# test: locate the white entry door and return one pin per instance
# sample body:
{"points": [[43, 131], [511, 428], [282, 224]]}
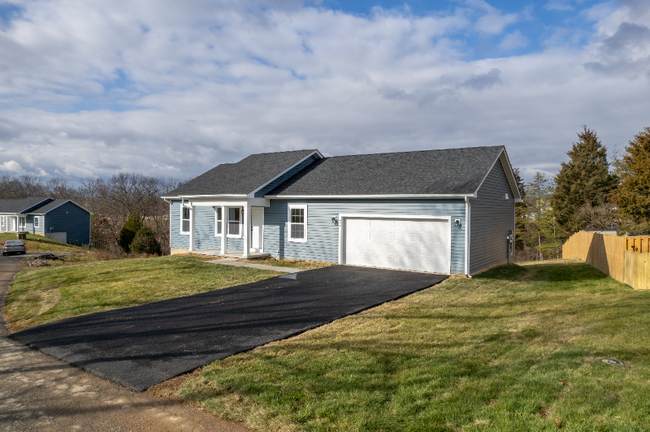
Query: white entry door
{"points": [[257, 229], [403, 244]]}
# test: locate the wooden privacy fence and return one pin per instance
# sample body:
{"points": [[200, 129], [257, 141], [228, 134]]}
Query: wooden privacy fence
{"points": [[611, 255], [638, 244]]}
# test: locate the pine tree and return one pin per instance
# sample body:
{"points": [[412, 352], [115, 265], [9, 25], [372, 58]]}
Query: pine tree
{"points": [[520, 213], [585, 179], [633, 194], [145, 242], [129, 230]]}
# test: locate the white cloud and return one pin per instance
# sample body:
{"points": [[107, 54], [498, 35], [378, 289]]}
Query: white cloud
{"points": [[514, 40], [12, 167], [163, 88]]}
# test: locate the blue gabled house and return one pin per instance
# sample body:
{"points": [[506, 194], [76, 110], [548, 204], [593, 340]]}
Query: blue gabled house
{"points": [[443, 211], [61, 219]]}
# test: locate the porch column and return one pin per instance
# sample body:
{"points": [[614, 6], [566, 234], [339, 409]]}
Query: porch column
{"points": [[191, 248], [247, 230], [224, 228]]}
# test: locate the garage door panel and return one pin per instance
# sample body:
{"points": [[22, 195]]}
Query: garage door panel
{"points": [[405, 244]]}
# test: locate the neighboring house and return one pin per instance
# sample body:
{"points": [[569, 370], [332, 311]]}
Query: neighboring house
{"points": [[443, 211], [60, 219]]}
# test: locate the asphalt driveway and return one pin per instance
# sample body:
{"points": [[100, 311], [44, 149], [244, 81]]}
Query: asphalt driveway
{"points": [[142, 346]]}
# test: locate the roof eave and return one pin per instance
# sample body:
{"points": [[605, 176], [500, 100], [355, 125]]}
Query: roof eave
{"points": [[386, 196]]}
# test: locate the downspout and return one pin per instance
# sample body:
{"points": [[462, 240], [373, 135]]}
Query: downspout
{"points": [[468, 218]]}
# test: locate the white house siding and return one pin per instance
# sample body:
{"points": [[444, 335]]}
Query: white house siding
{"points": [[204, 237], [323, 236], [492, 217]]}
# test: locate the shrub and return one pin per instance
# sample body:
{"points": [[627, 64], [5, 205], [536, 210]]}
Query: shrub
{"points": [[145, 242], [132, 225]]}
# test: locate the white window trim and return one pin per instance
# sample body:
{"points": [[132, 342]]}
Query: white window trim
{"points": [[217, 222], [24, 220], [292, 207], [37, 221], [190, 219], [241, 227]]}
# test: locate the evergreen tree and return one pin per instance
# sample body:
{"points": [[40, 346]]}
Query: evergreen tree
{"points": [[585, 179], [145, 242], [633, 194], [129, 230], [520, 212]]}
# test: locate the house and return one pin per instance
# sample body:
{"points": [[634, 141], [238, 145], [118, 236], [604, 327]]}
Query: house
{"points": [[60, 219], [444, 211]]}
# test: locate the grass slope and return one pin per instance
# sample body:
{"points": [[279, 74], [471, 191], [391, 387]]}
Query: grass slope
{"points": [[36, 243], [42, 295], [517, 348]]}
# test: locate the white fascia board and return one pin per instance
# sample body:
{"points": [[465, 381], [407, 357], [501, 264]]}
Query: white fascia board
{"points": [[397, 196], [253, 202], [38, 203], [510, 176], [316, 153]]}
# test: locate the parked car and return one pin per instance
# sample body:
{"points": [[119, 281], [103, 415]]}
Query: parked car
{"points": [[14, 246]]}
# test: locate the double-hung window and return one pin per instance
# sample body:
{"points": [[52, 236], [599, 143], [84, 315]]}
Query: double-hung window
{"points": [[37, 222], [22, 223], [298, 223], [185, 219], [218, 223], [234, 221]]}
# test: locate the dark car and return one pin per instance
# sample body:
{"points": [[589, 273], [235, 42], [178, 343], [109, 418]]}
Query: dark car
{"points": [[14, 246]]}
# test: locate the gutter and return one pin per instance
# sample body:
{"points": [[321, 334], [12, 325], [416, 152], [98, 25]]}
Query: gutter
{"points": [[468, 218]]}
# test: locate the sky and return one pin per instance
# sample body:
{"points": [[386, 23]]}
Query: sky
{"points": [[167, 88]]}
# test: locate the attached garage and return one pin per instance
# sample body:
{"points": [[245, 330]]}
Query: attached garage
{"points": [[419, 243]]}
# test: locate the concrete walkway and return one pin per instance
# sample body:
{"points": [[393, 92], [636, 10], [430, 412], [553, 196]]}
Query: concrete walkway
{"points": [[236, 263], [38, 392]]}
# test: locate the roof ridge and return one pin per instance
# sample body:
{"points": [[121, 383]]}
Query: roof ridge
{"points": [[416, 151]]}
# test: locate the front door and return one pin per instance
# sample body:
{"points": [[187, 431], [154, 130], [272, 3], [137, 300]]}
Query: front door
{"points": [[257, 229]]}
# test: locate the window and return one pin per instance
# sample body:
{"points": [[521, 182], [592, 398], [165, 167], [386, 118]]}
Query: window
{"points": [[2, 222], [185, 220], [234, 221], [22, 222], [37, 222], [298, 223], [218, 221]]}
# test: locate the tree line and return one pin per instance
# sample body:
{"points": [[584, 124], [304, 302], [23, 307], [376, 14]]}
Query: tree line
{"points": [[588, 193], [122, 206]]}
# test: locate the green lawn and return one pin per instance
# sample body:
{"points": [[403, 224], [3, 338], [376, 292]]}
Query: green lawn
{"points": [[42, 295], [36, 243], [517, 348]]}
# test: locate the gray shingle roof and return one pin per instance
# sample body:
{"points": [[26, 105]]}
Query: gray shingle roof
{"points": [[243, 177], [452, 171], [19, 205], [54, 204]]}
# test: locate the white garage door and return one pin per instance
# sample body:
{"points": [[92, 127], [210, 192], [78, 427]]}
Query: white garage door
{"points": [[405, 244]]}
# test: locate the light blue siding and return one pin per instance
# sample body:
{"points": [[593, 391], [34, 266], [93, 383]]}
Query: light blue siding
{"points": [[286, 176], [71, 219], [204, 230], [492, 217], [323, 235], [30, 225], [178, 240]]}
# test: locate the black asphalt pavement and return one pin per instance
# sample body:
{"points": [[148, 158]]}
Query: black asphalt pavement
{"points": [[142, 346]]}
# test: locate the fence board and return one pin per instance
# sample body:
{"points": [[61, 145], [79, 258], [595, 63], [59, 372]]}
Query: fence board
{"points": [[613, 256]]}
